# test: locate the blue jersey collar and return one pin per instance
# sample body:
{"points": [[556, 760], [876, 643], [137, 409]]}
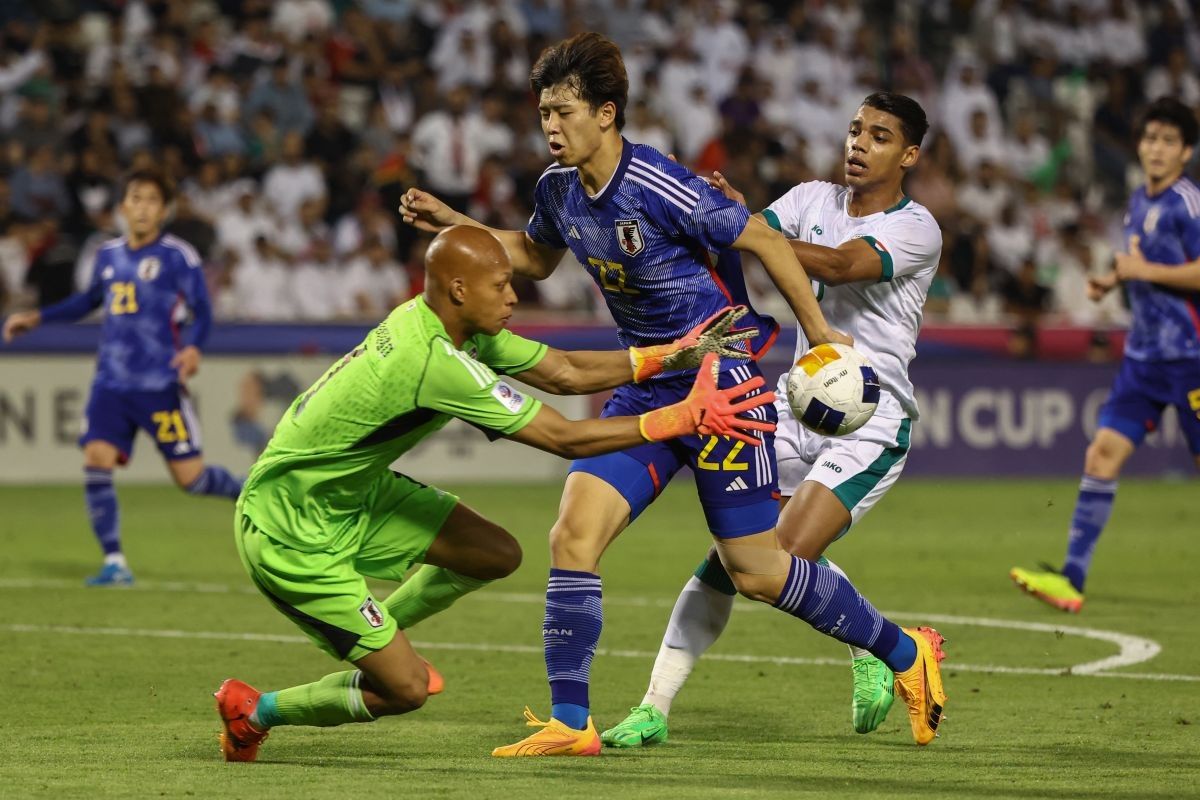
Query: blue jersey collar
{"points": [[618, 175]]}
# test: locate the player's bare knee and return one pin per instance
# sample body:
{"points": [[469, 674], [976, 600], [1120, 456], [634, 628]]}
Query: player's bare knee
{"points": [[1102, 460], [503, 556], [760, 588], [406, 693], [572, 548]]}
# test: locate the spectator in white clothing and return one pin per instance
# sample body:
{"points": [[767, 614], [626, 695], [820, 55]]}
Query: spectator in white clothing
{"points": [[294, 180], [315, 283], [374, 283], [446, 149]]}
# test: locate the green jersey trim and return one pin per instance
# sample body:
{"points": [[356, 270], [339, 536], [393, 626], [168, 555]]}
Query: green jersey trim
{"points": [[903, 202], [885, 258], [854, 490], [772, 219]]}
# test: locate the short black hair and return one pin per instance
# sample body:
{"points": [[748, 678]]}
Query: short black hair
{"points": [[913, 123], [151, 175], [1170, 111], [591, 65]]}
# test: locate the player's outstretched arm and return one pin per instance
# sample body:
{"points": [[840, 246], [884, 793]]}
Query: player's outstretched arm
{"points": [[789, 277], [75, 307], [588, 371], [1133, 266], [850, 262], [529, 259], [706, 410], [713, 335]]}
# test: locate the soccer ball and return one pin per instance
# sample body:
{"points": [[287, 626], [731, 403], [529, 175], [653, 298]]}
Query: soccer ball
{"points": [[833, 390]]}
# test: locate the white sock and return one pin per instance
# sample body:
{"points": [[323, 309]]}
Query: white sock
{"points": [[855, 652], [699, 617], [116, 558]]}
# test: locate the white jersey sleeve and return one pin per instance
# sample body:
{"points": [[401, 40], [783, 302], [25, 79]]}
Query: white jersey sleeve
{"points": [[907, 244], [790, 214]]}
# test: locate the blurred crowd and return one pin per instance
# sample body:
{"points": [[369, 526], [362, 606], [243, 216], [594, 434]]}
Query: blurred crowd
{"points": [[292, 127]]}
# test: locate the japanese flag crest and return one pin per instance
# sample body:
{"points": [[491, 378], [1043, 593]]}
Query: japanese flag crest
{"points": [[148, 268], [629, 236]]}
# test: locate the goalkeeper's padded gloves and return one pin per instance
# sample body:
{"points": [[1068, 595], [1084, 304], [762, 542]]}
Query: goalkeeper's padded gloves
{"points": [[711, 336], [708, 410]]}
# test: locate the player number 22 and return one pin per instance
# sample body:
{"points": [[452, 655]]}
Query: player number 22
{"points": [[170, 426], [124, 298], [612, 276], [728, 464]]}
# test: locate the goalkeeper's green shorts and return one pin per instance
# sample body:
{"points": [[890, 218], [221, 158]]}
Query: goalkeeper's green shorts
{"points": [[325, 593]]}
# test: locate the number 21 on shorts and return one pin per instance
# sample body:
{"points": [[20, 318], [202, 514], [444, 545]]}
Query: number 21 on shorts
{"points": [[170, 426]]}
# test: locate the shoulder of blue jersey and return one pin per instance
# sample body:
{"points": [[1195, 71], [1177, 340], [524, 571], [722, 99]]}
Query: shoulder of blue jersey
{"points": [[1190, 194], [190, 257], [112, 244], [660, 176], [554, 171]]}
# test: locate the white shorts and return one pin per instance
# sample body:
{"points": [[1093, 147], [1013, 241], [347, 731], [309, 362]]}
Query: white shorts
{"points": [[859, 468]]}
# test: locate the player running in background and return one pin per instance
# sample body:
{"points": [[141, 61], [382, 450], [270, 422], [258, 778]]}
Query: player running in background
{"points": [[322, 509], [643, 227], [148, 283], [1161, 366], [872, 252]]}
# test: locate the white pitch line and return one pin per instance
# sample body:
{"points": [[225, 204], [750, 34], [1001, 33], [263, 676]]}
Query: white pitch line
{"points": [[1132, 650]]}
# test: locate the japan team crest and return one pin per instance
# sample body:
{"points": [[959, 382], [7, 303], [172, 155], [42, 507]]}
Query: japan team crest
{"points": [[629, 236], [148, 268], [371, 613], [1151, 221]]}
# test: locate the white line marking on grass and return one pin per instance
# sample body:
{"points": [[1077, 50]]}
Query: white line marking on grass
{"points": [[532, 650], [1132, 650]]}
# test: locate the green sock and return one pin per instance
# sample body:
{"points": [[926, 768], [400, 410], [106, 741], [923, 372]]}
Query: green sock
{"points": [[333, 700], [430, 590]]}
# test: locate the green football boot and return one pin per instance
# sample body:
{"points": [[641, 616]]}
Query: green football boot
{"points": [[1049, 586], [874, 692], [644, 725]]}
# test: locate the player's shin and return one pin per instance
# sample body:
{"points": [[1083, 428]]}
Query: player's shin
{"points": [[855, 652], [216, 482], [697, 621], [431, 589], [827, 601], [570, 632], [101, 500], [1092, 510], [334, 700]]}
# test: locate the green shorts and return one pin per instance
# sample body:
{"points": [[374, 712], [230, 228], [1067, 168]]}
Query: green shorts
{"points": [[325, 593]]}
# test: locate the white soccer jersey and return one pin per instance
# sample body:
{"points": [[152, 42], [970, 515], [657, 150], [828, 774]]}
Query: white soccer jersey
{"points": [[883, 317]]}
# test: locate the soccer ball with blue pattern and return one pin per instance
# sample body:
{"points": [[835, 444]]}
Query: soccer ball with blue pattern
{"points": [[833, 390]]}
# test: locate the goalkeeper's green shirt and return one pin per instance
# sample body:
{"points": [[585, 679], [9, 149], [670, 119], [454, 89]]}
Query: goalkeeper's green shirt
{"points": [[403, 383]]}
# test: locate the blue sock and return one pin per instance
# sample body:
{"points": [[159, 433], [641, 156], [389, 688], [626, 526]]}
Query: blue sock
{"points": [[570, 632], [266, 713], [831, 604], [101, 500], [1092, 510], [217, 482]]}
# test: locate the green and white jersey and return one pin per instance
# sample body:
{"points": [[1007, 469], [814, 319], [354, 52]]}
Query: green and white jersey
{"points": [[884, 317], [404, 382]]}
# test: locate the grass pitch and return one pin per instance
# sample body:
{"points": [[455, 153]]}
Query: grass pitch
{"points": [[109, 691]]}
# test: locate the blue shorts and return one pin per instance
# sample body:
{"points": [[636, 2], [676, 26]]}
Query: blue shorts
{"points": [[1144, 388], [168, 416], [738, 484]]}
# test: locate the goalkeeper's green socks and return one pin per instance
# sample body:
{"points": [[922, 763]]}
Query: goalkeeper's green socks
{"points": [[333, 700], [430, 590]]}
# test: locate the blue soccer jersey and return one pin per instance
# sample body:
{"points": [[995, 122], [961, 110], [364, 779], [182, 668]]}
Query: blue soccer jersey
{"points": [[647, 241], [1166, 322], [147, 295]]}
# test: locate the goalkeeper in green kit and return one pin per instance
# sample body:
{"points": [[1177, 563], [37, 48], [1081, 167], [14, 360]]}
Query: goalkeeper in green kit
{"points": [[322, 510]]}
